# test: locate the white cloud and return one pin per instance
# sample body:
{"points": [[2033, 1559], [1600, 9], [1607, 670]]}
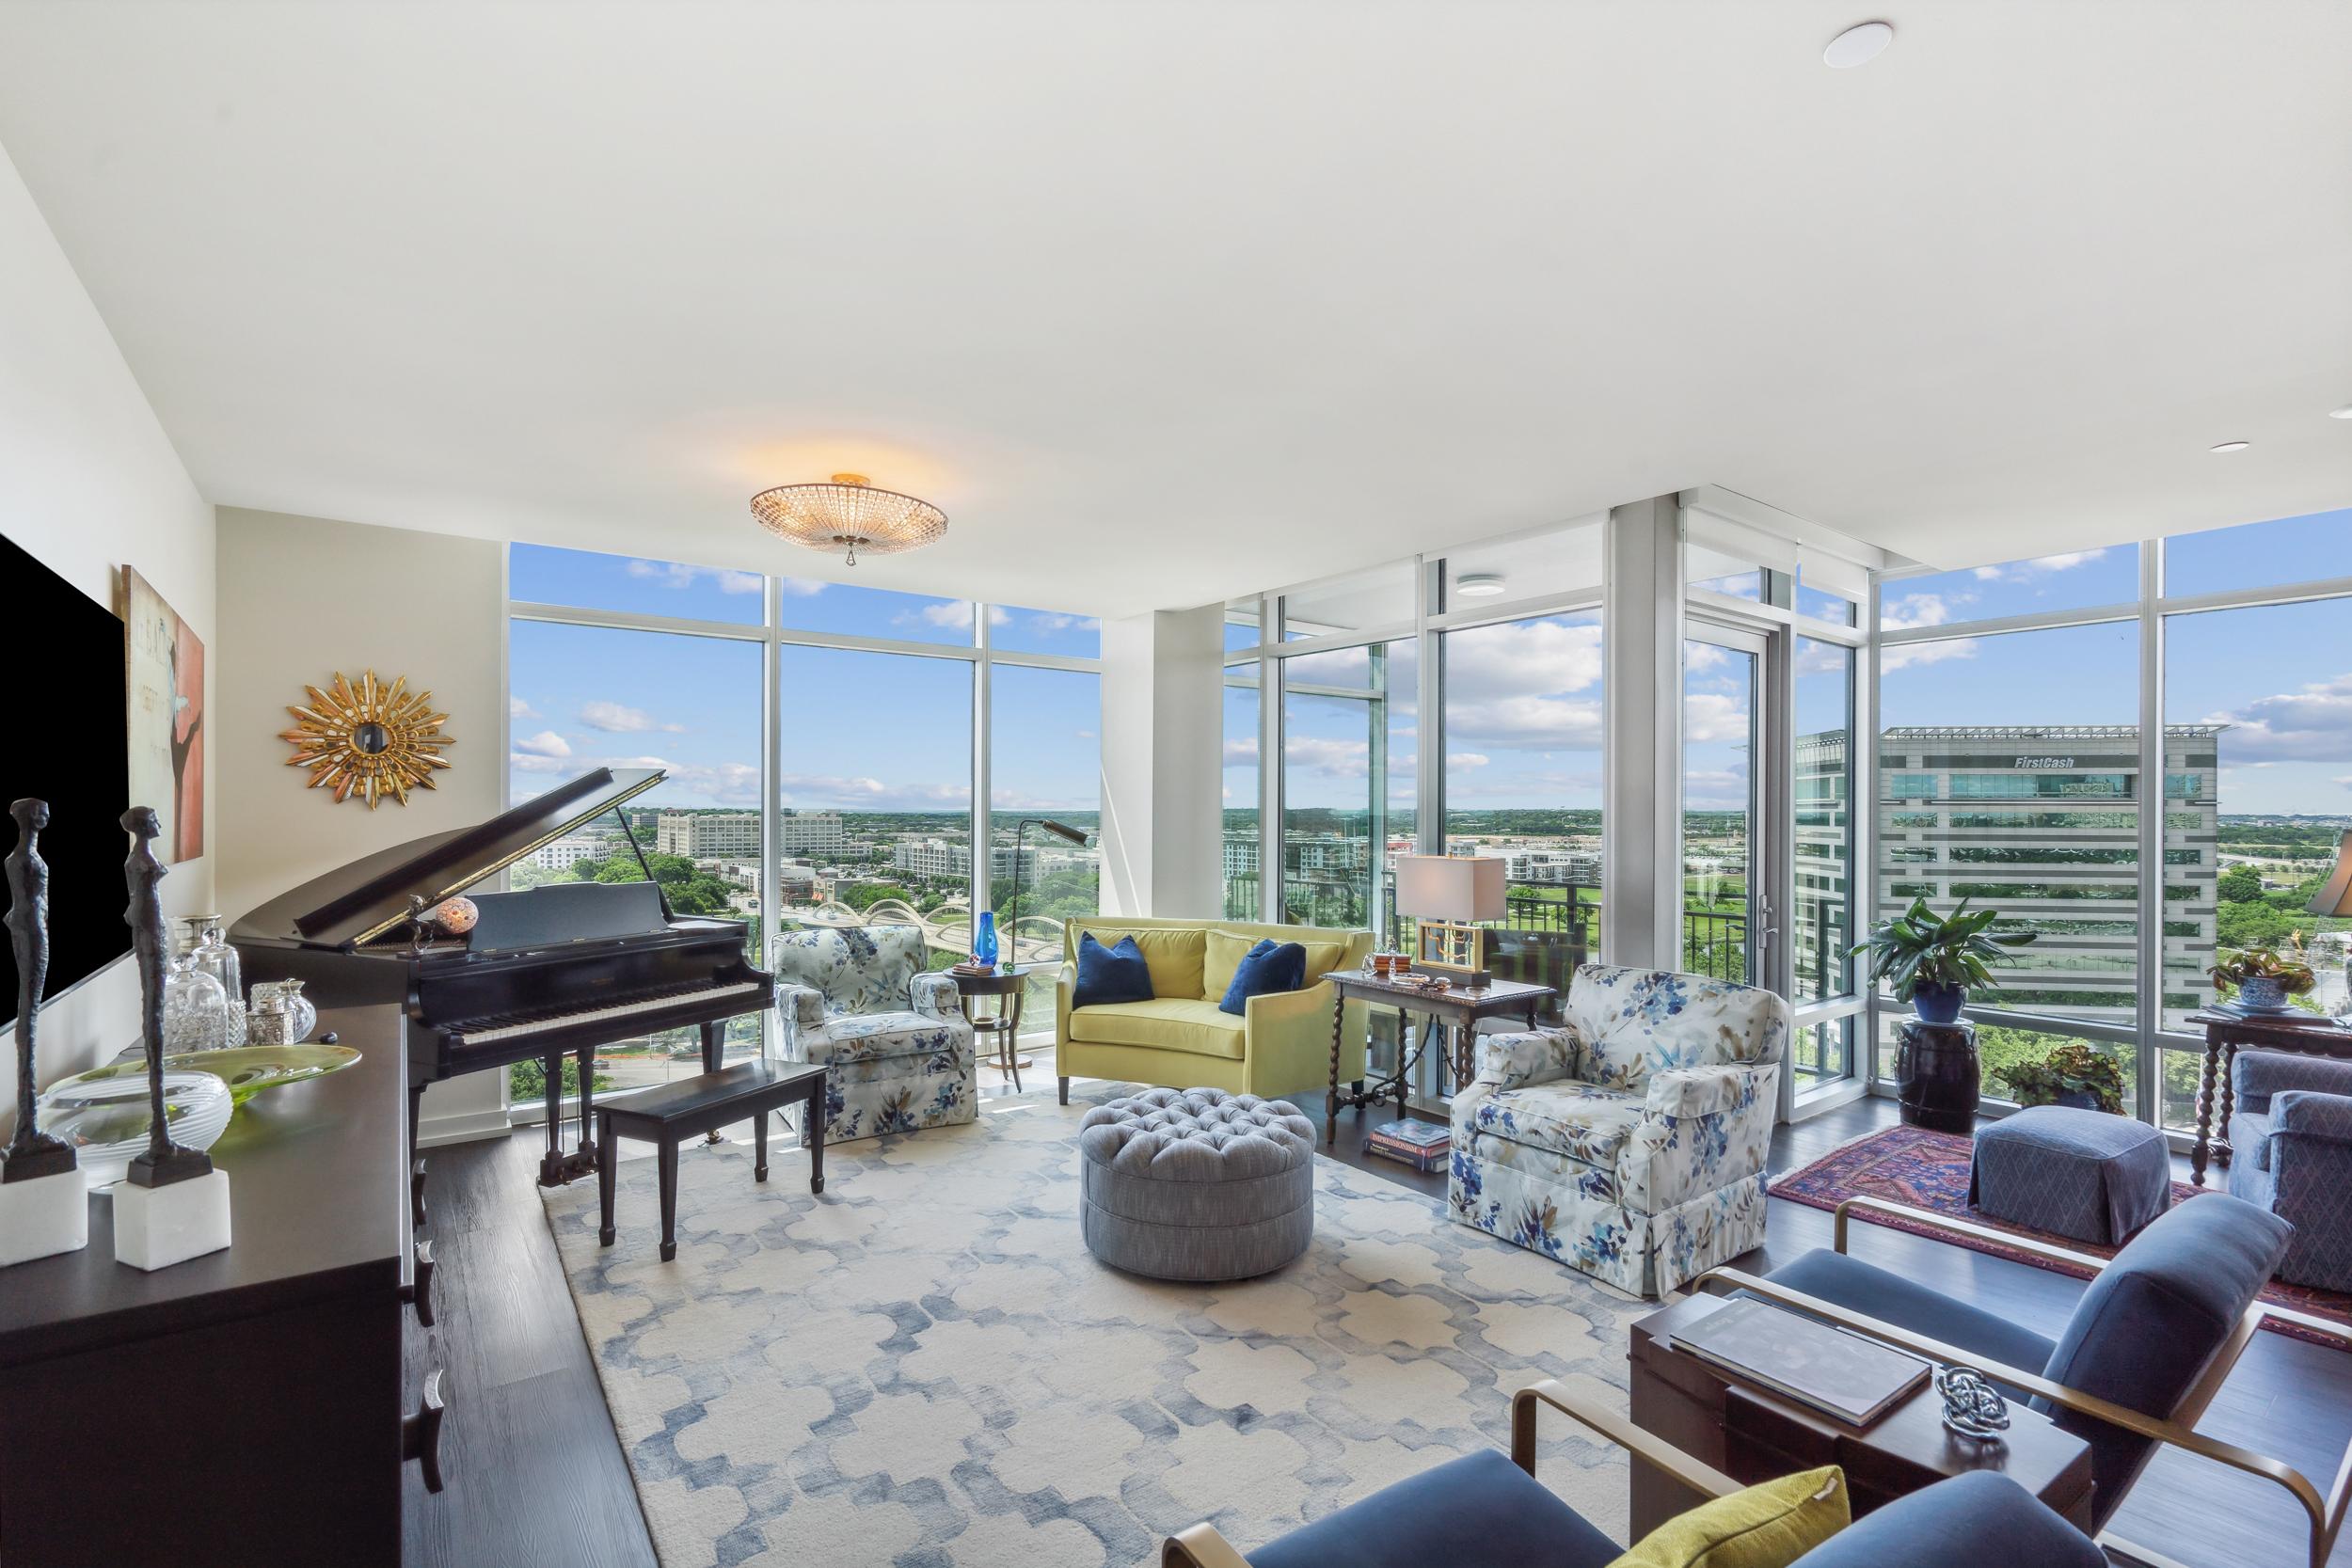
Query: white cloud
{"points": [[803, 588], [951, 613], [1708, 716], [547, 743], [517, 708], [615, 719], [1519, 686], [2026, 571], [2344, 778], [524, 763], [1704, 656], [861, 790], [2310, 726], [1242, 752], [1055, 621], [677, 574], [1467, 759], [1332, 759], [1920, 610]]}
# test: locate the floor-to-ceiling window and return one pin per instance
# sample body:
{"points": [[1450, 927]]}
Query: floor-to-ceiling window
{"points": [[845, 799], [2147, 759], [1239, 775]]}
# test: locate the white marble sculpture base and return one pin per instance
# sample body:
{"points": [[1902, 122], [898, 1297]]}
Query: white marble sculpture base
{"points": [[42, 1218], [158, 1226]]}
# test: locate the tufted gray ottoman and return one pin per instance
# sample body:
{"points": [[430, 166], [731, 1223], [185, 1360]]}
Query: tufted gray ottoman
{"points": [[1197, 1183], [2084, 1174]]}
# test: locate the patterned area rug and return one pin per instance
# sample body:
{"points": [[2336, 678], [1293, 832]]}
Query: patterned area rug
{"points": [[1930, 1170], [925, 1366]]}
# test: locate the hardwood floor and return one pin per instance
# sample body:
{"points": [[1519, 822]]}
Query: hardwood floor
{"points": [[536, 1473]]}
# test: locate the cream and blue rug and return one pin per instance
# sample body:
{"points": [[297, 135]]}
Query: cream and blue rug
{"points": [[926, 1367]]}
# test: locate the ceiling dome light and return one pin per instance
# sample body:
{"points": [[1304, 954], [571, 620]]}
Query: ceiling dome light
{"points": [[2343, 413], [1858, 45], [1478, 585], [848, 514], [2233, 446]]}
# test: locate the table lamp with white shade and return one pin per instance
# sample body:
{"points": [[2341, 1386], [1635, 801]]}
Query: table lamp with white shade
{"points": [[1447, 895]]}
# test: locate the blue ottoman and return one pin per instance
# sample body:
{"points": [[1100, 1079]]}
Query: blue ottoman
{"points": [[2084, 1174]]}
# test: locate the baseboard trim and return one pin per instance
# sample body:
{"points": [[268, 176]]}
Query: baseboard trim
{"points": [[463, 1128]]}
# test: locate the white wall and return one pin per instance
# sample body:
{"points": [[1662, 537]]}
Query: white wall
{"points": [[90, 483], [1163, 740], [301, 599]]}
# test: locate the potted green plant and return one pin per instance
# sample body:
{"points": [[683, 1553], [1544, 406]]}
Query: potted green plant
{"points": [[2072, 1074], [2265, 976], [1932, 961]]}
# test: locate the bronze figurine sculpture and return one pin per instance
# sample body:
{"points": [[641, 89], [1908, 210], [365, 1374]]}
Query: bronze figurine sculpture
{"points": [[164, 1162], [31, 1151]]}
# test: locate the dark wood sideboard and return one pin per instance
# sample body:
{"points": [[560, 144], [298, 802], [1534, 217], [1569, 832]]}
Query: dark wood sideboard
{"points": [[245, 1407]]}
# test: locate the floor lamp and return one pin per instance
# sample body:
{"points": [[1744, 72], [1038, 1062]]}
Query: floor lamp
{"points": [[1062, 831]]}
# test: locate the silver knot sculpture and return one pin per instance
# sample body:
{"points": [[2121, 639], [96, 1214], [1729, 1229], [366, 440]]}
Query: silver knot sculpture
{"points": [[1971, 1407]]}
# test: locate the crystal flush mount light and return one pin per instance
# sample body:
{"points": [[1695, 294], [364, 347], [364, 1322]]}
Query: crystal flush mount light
{"points": [[847, 513]]}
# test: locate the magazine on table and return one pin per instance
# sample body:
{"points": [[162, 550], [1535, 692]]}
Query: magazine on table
{"points": [[1826, 1369]]}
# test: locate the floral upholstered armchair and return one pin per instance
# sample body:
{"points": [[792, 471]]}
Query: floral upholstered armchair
{"points": [[1630, 1142], [896, 1045]]}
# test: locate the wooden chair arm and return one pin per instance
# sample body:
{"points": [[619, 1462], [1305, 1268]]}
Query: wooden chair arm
{"points": [[1616, 1428], [2326, 1514]]}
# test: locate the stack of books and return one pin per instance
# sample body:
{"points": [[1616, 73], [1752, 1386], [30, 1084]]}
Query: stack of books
{"points": [[1419, 1144], [1836, 1373]]}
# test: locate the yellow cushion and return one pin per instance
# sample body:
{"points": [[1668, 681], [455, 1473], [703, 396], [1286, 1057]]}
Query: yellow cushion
{"points": [[1185, 1023], [1223, 957], [1765, 1526], [1172, 957], [1322, 958]]}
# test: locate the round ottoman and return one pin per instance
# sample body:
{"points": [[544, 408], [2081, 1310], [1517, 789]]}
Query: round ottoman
{"points": [[2084, 1174], [1197, 1183]]}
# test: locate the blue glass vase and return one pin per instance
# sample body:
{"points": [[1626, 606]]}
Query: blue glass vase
{"points": [[984, 942]]}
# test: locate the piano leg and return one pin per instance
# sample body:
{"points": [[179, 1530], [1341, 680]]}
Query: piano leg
{"points": [[714, 1049], [551, 1164], [586, 1161]]}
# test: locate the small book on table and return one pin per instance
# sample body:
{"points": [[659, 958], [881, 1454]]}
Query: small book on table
{"points": [[1825, 1369]]}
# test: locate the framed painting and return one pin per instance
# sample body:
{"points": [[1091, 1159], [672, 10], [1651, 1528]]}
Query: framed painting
{"points": [[164, 672]]}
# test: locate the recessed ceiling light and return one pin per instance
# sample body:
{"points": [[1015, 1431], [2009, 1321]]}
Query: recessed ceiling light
{"points": [[1858, 45], [1478, 585], [2234, 446], [2343, 413]]}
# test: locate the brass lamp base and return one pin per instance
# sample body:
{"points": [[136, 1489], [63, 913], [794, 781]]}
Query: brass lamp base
{"points": [[1452, 949]]}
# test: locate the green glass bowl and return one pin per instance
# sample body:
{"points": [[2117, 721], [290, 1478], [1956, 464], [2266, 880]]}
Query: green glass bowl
{"points": [[247, 1069]]}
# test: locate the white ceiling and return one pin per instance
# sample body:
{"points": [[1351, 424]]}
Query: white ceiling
{"points": [[1167, 302]]}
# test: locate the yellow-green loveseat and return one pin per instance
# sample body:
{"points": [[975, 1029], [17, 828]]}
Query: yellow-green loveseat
{"points": [[1179, 1040]]}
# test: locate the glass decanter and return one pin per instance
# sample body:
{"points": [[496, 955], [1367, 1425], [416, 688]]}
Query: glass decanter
{"points": [[208, 951], [196, 1009]]}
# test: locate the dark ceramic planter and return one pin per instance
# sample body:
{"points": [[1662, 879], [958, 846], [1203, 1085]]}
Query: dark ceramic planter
{"points": [[1938, 1004], [1936, 1074]]}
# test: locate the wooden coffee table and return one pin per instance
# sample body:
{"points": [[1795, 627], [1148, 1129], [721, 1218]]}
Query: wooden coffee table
{"points": [[1754, 1436]]}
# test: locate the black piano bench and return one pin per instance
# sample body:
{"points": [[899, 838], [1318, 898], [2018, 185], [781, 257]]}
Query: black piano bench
{"points": [[705, 1103]]}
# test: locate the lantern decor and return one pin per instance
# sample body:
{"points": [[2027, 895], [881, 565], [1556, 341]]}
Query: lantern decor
{"points": [[370, 740], [171, 1205], [44, 1204]]}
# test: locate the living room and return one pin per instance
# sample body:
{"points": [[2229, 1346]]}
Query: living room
{"points": [[1063, 784]]}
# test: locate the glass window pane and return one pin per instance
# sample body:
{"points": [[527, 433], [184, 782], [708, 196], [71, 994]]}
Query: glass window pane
{"points": [[586, 697], [1823, 837], [539, 574], [1363, 601], [1823, 1053], [1823, 605], [2263, 699], [1719, 735], [1044, 631], [2004, 1045], [808, 604], [1559, 562], [1045, 760], [1241, 624], [2010, 767], [2259, 555], [893, 763], [1523, 781], [2077, 580], [1348, 738], [1241, 794]]}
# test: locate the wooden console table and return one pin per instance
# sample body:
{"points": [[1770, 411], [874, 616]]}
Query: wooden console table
{"points": [[2312, 1033], [1753, 1436], [1457, 1009]]}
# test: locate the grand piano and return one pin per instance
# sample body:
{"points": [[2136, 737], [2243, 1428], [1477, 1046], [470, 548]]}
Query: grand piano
{"points": [[545, 972]]}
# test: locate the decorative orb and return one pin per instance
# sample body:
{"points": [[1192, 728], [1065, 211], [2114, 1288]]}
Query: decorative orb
{"points": [[456, 916]]}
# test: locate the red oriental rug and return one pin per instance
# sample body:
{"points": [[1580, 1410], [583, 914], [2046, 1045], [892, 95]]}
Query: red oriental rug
{"points": [[1928, 1170]]}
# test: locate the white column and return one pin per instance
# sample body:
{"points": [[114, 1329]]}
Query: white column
{"points": [[1641, 735], [1162, 737]]}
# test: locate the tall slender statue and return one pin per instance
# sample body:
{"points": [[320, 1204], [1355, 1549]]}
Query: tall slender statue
{"points": [[164, 1162], [31, 1153]]}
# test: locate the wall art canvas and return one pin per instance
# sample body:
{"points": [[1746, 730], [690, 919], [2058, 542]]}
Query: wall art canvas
{"points": [[165, 674]]}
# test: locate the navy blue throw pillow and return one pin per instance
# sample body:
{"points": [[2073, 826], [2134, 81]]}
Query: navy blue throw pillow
{"points": [[1111, 973], [1269, 967]]}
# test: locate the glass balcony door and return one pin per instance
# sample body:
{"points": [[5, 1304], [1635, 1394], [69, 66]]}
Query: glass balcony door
{"points": [[1729, 823]]}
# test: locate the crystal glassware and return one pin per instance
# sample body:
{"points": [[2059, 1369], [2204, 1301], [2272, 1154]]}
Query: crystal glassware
{"points": [[209, 950], [196, 1009]]}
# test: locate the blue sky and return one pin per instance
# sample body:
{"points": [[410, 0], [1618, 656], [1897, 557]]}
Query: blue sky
{"points": [[863, 731]]}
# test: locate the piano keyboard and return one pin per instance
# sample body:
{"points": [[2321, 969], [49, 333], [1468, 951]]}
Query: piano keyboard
{"points": [[504, 1027]]}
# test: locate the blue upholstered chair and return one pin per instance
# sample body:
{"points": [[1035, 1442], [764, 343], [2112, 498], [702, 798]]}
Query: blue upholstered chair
{"points": [[2148, 1346], [1484, 1510], [2291, 1153]]}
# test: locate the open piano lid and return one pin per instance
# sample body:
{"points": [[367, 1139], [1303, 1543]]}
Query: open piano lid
{"points": [[361, 901]]}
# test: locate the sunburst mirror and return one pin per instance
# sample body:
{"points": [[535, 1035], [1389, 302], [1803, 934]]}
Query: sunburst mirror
{"points": [[369, 741]]}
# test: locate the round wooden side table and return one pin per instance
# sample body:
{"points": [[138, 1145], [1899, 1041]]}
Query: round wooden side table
{"points": [[1006, 983]]}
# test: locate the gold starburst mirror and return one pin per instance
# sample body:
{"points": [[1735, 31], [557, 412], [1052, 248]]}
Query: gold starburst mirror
{"points": [[369, 741]]}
